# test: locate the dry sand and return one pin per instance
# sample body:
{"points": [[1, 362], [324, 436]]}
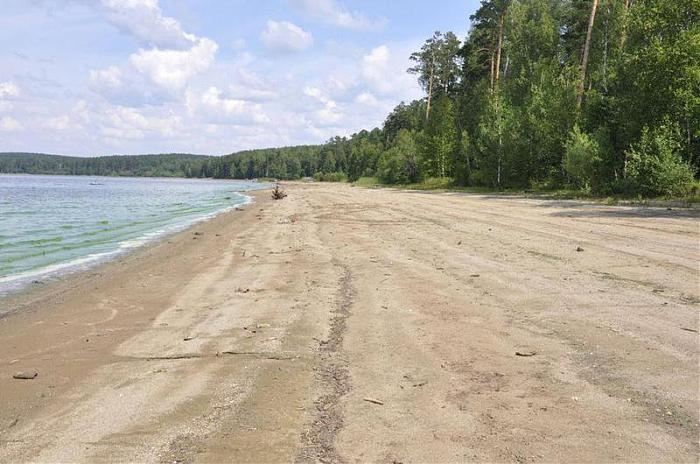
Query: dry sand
{"points": [[350, 325]]}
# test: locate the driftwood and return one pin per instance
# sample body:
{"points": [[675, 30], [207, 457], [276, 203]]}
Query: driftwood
{"points": [[277, 193]]}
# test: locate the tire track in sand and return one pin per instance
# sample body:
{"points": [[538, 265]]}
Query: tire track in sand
{"points": [[333, 376]]}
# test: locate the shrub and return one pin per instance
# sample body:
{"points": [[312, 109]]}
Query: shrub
{"points": [[367, 182], [331, 177], [581, 157], [654, 165], [399, 164]]}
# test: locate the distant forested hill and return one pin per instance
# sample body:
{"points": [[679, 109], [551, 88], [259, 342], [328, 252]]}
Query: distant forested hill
{"points": [[163, 165], [281, 163]]}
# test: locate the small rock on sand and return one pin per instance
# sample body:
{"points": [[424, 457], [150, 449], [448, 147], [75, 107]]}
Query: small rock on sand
{"points": [[25, 375]]}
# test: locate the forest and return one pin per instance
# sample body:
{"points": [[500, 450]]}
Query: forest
{"points": [[601, 96], [597, 95], [163, 165]]}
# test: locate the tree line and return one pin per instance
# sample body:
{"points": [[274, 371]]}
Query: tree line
{"points": [[598, 95], [162, 165]]}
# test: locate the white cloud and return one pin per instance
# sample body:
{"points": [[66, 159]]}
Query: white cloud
{"points": [[172, 69], [8, 89], [144, 20], [59, 123], [367, 99], [110, 77], [183, 95], [72, 121], [128, 123], [385, 73], [375, 68], [214, 107], [314, 92], [8, 124], [243, 92], [283, 36], [329, 114], [331, 12]]}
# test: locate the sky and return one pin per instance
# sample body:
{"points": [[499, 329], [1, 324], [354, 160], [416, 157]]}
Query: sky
{"points": [[97, 77]]}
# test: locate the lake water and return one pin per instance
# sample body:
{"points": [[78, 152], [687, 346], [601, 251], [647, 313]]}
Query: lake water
{"points": [[50, 225]]}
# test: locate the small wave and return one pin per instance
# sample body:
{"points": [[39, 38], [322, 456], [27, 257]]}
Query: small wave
{"points": [[15, 282]]}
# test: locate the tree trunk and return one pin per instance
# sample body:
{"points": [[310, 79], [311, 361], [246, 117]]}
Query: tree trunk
{"points": [[605, 49], [500, 46], [430, 89], [586, 50], [492, 71], [623, 37]]}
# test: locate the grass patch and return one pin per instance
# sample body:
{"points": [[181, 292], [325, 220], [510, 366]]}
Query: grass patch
{"points": [[432, 183], [330, 177], [446, 184], [368, 182]]}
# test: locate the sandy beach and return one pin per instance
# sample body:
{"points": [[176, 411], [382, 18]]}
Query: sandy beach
{"points": [[354, 325]]}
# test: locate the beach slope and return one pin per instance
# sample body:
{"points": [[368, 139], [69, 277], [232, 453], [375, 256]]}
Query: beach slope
{"points": [[352, 325]]}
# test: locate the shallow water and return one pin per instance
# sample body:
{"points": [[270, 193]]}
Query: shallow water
{"points": [[53, 224]]}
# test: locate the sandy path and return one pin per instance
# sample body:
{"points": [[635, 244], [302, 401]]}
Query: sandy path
{"points": [[261, 338]]}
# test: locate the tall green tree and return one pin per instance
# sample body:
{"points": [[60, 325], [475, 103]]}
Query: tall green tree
{"points": [[437, 65], [439, 139]]}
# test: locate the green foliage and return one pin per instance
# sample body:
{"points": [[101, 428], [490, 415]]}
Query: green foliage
{"points": [[404, 117], [165, 165], [331, 177], [437, 63], [654, 164], [431, 183], [399, 164], [367, 182], [491, 141], [504, 110], [582, 157], [659, 76], [438, 141]]}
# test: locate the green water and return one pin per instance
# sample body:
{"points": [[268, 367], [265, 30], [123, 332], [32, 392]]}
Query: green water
{"points": [[55, 224]]}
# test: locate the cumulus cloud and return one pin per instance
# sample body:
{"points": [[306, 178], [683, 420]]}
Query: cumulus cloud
{"points": [[144, 20], [329, 114], [172, 69], [175, 91], [375, 67], [217, 108], [129, 123], [169, 60], [331, 12], [385, 73], [284, 36]]}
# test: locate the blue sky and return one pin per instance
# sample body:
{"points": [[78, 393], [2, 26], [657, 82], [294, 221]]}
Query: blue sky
{"points": [[92, 77]]}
